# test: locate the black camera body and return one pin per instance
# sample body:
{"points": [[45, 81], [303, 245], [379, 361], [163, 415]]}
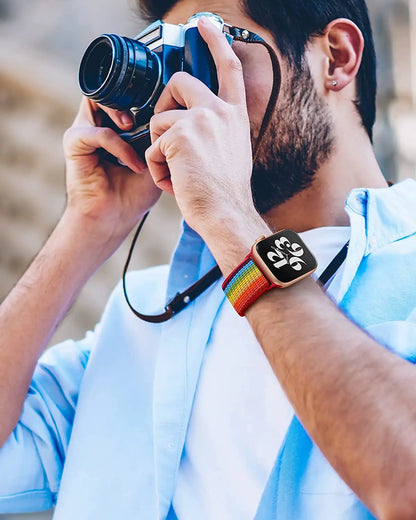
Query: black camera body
{"points": [[130, 74]]}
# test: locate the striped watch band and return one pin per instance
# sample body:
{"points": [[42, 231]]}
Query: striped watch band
{"points": [[279, 260], [245, 284]]}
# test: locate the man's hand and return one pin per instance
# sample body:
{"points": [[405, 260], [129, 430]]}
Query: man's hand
{"points": [[112, 198], [203, 154], [104, 203]]}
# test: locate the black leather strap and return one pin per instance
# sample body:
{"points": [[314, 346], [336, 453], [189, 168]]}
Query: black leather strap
{"points": [[181, 300], [335, 264], [244, 35]]}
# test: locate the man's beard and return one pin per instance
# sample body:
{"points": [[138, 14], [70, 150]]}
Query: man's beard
{"points": [[298, 141]]}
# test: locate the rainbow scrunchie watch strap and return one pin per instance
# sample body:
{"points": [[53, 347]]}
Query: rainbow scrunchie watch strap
{"points": [[244, 285]]}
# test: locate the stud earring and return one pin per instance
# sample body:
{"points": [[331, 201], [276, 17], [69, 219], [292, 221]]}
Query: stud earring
{"points": [[334, 83]]}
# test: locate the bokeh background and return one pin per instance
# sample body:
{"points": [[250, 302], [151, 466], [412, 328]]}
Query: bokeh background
{"points": [[41, 43]]}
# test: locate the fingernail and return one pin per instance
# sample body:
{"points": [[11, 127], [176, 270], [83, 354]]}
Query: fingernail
{"points": [[126, 119], [140, 166]]}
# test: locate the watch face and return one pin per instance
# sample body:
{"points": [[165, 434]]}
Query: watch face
{"points": [[286, 256]]}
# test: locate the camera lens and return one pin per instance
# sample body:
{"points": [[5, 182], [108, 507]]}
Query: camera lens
{"points": [[119, 72]]}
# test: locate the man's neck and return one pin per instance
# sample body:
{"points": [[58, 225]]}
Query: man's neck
{"points": [[322, 204]]}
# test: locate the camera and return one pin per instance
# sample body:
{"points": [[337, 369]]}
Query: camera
{"points": [[131, 73]]}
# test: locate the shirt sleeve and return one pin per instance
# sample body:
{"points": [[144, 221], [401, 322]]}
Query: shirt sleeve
{"points": [[32, 459]]}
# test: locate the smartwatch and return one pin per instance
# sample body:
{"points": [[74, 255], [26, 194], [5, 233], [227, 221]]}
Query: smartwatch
{"points": [[279, 260]]}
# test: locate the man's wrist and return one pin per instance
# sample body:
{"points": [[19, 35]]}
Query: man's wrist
{"points": [[231, 241], [97, 237], [80, 238], [276, 261]]}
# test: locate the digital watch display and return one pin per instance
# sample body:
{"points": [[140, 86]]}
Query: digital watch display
{"points": [[279, 260], [283, 258]]}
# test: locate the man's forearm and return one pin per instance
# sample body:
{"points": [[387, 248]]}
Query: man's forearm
{"points": [[353, 396], [35, 307]]}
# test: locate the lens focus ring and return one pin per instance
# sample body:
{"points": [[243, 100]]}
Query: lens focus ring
{"points": [[119, 72]]}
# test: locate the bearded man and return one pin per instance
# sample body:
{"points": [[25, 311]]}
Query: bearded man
{"points": [[293, 412]]}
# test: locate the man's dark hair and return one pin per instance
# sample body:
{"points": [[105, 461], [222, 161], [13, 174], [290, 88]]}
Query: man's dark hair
{"points": [[294, 23]]}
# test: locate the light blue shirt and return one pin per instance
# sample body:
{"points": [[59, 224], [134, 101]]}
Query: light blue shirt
{"points": [[105, 419]]}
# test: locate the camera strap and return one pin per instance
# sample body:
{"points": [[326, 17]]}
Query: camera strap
{"points": [[243, 35], [178, 302], [181, 300]]}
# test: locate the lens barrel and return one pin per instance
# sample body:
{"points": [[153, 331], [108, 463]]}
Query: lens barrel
{"points": [[119, 72]]}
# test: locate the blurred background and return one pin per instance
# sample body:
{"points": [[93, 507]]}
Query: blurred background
{"points": [[41, 43]]}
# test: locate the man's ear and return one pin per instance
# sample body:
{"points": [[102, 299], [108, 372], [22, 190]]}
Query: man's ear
{"points": [[344, 45]]}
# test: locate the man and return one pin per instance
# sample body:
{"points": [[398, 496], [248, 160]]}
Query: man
{"points": [[186, 419]]}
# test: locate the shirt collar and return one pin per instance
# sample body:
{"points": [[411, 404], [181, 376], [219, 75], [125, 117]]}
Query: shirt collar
{"points": [[191, 260], [389, 213]]}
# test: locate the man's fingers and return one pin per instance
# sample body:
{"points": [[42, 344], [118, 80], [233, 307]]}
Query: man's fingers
{"points": [[91, 113], [185, 91], [229, 68], [80, 142], [163, 121], [182, 91], [156, 162]]}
